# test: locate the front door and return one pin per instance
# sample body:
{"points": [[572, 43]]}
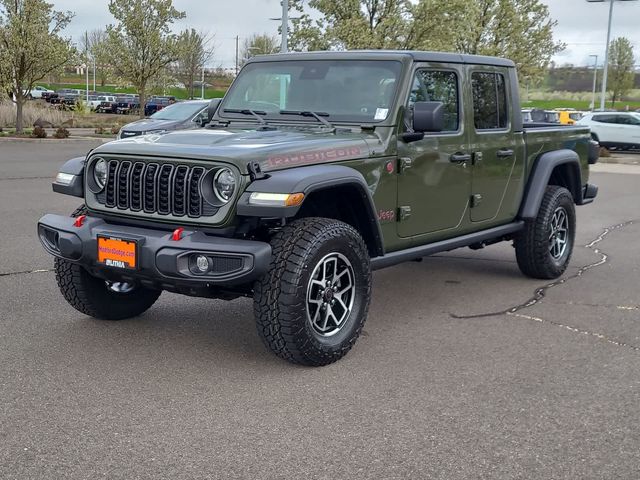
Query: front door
{"points": [[434, 179], [495, 147]]}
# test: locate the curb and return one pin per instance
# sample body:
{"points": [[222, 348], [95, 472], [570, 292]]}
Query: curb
{"points": [[54, 140]]}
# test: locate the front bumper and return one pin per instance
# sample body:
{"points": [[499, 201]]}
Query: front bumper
{"points": [[162, 262]]}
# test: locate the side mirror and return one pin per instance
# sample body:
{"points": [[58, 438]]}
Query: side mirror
{"points": [[211, 109], [200, 120], [428, 117]]}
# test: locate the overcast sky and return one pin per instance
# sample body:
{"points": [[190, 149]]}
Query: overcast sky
{"points": [[581, 25]]}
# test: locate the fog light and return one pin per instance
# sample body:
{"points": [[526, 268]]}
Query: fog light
{"points": [[202, 263]]}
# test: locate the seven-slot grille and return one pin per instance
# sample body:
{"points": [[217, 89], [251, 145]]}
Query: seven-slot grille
{"points": [[161, 188]]}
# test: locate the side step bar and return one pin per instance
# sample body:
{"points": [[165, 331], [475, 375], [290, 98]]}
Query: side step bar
{"points": [[393, 258]]}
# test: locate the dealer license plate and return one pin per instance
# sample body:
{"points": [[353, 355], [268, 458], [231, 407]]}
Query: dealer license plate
{"points": [[117, 252]]}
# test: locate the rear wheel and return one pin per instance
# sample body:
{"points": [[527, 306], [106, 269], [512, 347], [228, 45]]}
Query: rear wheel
{"points": [[99, 298], [544, 247], [311, 305]]}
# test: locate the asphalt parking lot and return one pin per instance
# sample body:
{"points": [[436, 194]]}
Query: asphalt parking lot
{"points": [[454, 376]]}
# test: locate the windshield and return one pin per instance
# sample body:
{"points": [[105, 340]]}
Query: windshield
{"points": [[178, 111], [346, 90]]}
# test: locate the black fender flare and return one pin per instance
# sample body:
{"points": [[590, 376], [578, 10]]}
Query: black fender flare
{"points": [[308, 180], [541, 174], [75, 186]]}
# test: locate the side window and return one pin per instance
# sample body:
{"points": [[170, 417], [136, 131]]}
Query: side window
{"points": [[438, 86], [489, 101], [605, 119]]}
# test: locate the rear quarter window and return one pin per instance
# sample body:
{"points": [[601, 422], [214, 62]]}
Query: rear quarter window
{"points": [[489, 101]]}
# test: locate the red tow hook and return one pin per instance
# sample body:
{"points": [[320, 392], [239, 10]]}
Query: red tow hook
{"points": [[177, 234], [79, 221]]}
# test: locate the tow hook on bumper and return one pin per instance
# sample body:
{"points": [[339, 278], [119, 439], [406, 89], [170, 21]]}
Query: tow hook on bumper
{"points": [[160, 259]]}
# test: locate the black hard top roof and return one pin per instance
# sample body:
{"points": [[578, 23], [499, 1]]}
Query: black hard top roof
{"points": [[416, 56]]}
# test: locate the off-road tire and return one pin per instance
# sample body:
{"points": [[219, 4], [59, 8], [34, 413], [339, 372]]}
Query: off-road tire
{"points": [[533, 242], [280, 296], [90, 295]]}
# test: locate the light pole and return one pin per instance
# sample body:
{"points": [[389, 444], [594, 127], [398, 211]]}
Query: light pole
{"points": [[595, 79], [284, 48], [202, 84], [285, 26], [606, 52]]}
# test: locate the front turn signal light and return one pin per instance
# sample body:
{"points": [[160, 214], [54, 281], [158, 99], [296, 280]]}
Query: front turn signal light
{"points": [[276, 199]]}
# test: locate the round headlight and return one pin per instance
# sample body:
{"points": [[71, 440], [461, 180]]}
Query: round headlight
{"points": [[100, 173], [224, 184]]}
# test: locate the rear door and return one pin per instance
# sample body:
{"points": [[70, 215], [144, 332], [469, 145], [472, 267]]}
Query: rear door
{"points": [[495, 145], [434, 173]]}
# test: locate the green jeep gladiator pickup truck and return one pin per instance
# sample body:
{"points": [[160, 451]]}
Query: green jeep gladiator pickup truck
{"points": [[315, 169]]}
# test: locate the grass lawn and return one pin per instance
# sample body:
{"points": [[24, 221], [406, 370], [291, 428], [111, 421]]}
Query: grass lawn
{"points": [[175, 92]]}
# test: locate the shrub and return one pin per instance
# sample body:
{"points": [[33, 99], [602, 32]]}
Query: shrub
{"points": [[39, 132], [62, 133]]}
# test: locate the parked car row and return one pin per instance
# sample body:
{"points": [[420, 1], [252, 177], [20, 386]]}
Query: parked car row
{"points": [[612, 129], [619, 130], [563, 116], [100, 102]]}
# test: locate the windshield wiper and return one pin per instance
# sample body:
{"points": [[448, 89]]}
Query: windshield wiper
{"points": [[308, 113], [247, 111]]}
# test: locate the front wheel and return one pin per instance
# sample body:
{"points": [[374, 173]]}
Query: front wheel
{"points": [[99, 298], [544, 247], [311, 305]]}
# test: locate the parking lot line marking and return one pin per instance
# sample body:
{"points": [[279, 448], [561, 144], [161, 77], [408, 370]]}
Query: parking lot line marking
{"points": [[6, 274], [540, 292], [599, 336]]}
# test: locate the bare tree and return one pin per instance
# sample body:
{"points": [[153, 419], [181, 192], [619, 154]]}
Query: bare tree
{"points": [[93, 45], [195, 50], [258, 44]]}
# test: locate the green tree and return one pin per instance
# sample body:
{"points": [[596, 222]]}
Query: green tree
{"points": [[517, 29], [140, 45], [195, 50], [31, 47], [258, 44], [351, 24], [621, 68]]}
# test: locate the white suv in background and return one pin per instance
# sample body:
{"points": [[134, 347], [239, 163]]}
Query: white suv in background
{"points": [[614, 129]]}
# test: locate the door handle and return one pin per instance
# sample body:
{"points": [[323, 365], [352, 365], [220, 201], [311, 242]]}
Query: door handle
{"points": [[459, 157], [503, 152]]}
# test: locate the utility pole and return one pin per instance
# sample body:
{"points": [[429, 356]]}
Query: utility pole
{"points": [[237, 49], [285, 26], [605, 73], [86, 61], [595, 79], [606, 59], [202, 84]]}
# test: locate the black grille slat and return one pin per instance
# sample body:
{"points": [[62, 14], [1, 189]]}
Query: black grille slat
{"points": [[122, 176], [136, 186], [161, 188], [194, 197], [164, 189], [149, 187], [179, 190], [110, 200]]}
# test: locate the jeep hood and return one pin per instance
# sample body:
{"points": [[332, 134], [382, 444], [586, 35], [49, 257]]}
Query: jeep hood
{"points": [[273, 149]]}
